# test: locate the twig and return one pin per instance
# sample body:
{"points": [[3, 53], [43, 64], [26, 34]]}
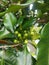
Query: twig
{"points": [[6, 42], [9, 46], [3, 42]]}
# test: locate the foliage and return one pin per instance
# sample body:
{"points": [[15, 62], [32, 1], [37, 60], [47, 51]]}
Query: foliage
{"points": [[21, 28], [43, 45]]}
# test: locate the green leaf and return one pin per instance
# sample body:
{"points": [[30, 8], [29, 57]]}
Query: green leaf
{"points": [[43, 47], [30, 1], [10, 21], [19, 21], [2, 13], [5, 34], [16, 7], [13, 57], [28, 23]]}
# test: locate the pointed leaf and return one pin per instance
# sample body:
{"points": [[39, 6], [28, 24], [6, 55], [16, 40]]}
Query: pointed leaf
{"points": [[20, 21], [28, 23], [5, 34], [9, 21], [16, 7]]}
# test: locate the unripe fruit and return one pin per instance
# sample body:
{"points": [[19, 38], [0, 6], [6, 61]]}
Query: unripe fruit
{"points": [[15, 41], [24, 31], [26, 41], [16, 32], [32, 33], [19, 35], [25, 34]]}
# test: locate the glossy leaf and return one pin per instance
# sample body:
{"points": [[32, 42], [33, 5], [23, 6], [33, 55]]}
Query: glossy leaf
{"points": [[5, 34], [11, 57], [16, 7], [19, 21], [43, 47], [28, 23], [9, 21]]}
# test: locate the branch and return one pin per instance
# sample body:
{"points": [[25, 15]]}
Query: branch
{"points": [[9, 46], [4, 42]]}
